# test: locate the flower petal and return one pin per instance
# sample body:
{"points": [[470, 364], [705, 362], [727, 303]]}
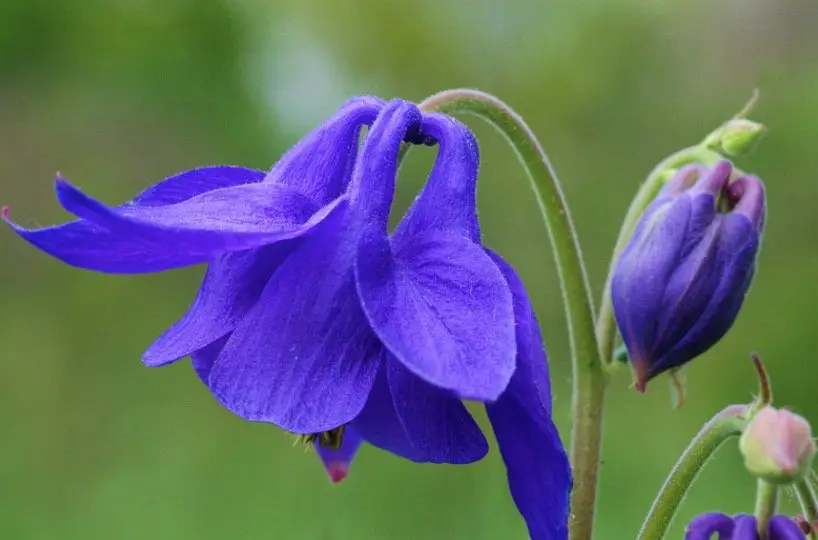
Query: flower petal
{"points": [[320, 165], [784, 528], [231, 287], [303, 358], [337, 462], [378, 421], [228, 219], [442, 307], [89, 246], [186, 185], [746, 528], [539, 475], [203, 359], [86, 245], [414, 420], [662, 225], [734, 255], [436, 423], [703, 527]]}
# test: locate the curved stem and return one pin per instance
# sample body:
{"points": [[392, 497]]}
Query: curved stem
{"points": [[766, 506], [809, 503], [588, 376], [725, 424], [606, 324]]}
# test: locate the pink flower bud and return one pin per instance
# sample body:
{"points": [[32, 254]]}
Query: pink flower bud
{"points": [[777, 445]]}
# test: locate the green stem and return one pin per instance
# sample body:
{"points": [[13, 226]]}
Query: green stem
{"points": [[725, 424], [606, 324], [766, 506], [588, 376], [809, 503]]}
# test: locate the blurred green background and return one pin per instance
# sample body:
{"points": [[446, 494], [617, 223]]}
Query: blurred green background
{"points": [[119, 94]]}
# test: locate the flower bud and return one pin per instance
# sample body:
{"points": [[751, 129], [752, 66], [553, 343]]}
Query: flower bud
{"points": [[679, 283], [777, 446], [737, 137]]}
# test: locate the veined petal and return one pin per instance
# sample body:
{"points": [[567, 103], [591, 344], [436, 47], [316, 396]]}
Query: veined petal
{"points": [[203, 359], [337, 462], [303, 358], [414, 420], [539, 475], [86, 245], [734, 254], [661, 227], [411, 419], [703, 527], [186, 185], [228, 219], [231, 287], [89, 246], [378, 421], [443, 308], [319, 166], [436, 423]]}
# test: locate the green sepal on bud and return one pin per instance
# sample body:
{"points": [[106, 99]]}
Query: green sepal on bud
{"points": [[777, 446], [737, 137]]}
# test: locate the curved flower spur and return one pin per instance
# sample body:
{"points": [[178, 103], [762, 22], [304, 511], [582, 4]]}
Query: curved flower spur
{"points": [[679, 284], [312, 318]]}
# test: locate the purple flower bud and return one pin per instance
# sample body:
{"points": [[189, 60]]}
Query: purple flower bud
{"points": [[678, 285]]}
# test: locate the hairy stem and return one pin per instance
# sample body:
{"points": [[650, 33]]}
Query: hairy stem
{"points": [[589, 378], [809, 503], [725, 424], [766, 506]]}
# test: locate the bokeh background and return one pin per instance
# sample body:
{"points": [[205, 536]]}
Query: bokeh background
{"points": [[119, 94]]}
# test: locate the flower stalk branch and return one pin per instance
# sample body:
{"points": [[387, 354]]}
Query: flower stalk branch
{"points": [[809, 503], [766, 506], [589, 378], [724, 425]]}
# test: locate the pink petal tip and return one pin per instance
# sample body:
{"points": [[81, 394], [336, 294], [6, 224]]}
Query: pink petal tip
{"points": [[337, 471]]}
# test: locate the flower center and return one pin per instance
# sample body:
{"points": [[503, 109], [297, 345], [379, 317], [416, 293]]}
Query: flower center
{"points": [[332, 439]]}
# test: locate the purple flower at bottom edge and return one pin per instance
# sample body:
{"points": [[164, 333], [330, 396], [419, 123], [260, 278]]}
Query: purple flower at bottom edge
{"points": [[741, 527], [680, 282], [313, 318]]}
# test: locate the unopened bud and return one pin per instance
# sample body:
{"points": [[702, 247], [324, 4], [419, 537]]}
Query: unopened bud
{"points": [[777, 446], [737, 137]]}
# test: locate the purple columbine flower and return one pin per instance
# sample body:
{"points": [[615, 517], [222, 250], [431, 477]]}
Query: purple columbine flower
{"points": [[313, 318], [741, 527], [678, 285], [521, 417]]}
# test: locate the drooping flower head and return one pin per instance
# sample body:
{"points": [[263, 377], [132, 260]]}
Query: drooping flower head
{"points": [[313, 318], [741, 527], [680, 282]]}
